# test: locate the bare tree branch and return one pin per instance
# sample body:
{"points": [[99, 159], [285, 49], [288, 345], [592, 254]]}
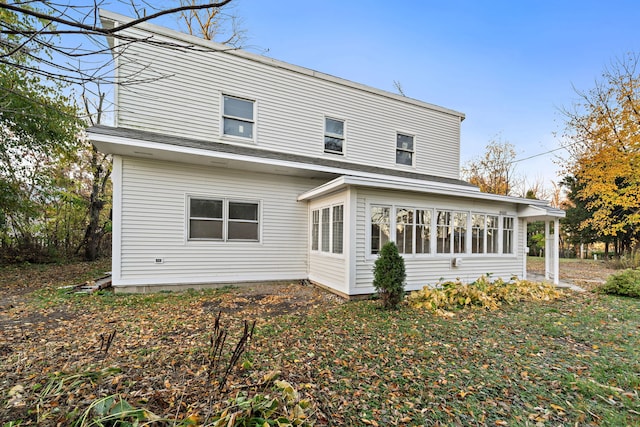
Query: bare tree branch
{"points": [[94, 29]]}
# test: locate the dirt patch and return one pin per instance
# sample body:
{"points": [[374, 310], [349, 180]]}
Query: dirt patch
{"points": [[585, 273], [272, 300]]}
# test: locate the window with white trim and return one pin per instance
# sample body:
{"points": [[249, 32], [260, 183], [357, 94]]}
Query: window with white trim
{"points": [[333, 136], [404, 149], [478, 230], [242, 222], [327, 229], [380, 227], [404, 230], [237, 117], [443, 232], [205, 219], [493, 234], [423, 231], [223, 219], [413, 231], [507, 234], [451, 232], [459, 232], [337, 229], [315, 229]]}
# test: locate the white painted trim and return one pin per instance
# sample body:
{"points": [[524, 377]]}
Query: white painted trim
{"points": [[556, 251], [526, 253], [547, 249], [411, 185], [351, 239], [116, 221]]}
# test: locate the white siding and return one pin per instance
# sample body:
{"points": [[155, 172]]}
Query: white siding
{"points": [[429, 269], [183, 98], [326, 268], [153, 225]]}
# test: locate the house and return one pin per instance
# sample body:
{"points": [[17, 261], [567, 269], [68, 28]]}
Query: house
{"points": [[231, 167]]}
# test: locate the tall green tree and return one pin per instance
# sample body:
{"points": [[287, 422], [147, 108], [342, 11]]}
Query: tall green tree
{"points": [[38, 129]]}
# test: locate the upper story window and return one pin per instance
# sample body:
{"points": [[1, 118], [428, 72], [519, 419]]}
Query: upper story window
{"points": [[237, 115], [333, 136], [404, 149]]}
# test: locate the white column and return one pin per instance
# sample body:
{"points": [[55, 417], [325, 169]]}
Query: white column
{"points": [[525, 249], [556, 251], [547, 251]]}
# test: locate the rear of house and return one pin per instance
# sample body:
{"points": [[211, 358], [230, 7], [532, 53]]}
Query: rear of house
{"points": [[231, 167]]}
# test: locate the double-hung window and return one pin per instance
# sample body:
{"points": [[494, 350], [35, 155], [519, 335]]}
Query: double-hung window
{"points": [[242, 221], [223, 219], [404, 149], [333, 136], [238, 117], [327, 229], [205, 219]]}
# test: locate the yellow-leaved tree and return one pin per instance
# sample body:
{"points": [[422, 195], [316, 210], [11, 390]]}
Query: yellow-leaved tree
{"points": [[603, 140]]}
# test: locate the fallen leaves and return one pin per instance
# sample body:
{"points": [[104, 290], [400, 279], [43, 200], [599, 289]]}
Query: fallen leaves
{"points": [[354, 364]]}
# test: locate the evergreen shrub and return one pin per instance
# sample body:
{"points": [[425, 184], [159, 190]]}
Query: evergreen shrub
{"points": [[389, 275]]}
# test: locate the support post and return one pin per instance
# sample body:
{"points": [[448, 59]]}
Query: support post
{"points": [[556, 251], [525, 249], [547, 250]]}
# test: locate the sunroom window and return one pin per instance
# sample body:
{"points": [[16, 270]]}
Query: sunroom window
{"points": [[327, 229], [380, 227], [507, 235]]}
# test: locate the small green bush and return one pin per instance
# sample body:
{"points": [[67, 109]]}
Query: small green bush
{"points": [[389, 275], [626, 283]]}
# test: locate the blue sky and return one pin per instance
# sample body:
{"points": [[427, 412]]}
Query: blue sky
{"points": [[508, 65]]}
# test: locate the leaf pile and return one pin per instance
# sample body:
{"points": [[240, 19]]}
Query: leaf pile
{"points": [[484, 293]]}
